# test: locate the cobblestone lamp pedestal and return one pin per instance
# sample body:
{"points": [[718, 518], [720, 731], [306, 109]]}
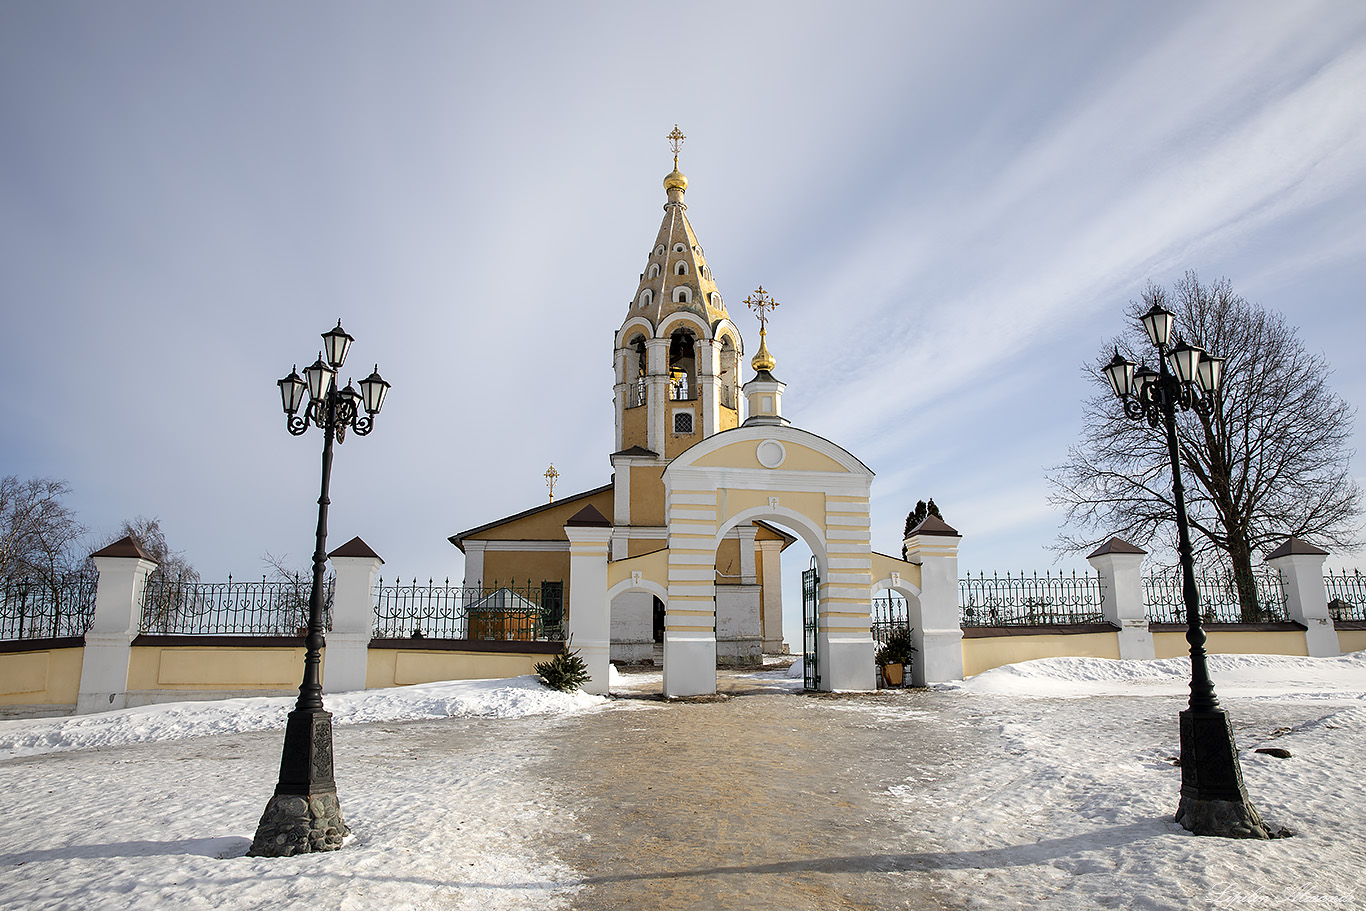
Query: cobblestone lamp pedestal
{"points": [[1213, 799]]}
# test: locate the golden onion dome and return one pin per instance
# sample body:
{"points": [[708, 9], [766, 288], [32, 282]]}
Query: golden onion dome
{"points": [[675, 180], [763, 360]]}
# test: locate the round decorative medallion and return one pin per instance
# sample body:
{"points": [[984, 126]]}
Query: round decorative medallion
{"points": [[771, 453]]}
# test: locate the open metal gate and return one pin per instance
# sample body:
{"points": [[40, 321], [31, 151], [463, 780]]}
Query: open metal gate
{"points": [[811, 678]]}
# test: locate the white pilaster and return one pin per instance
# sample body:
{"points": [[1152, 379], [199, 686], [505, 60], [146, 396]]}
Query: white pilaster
{"points": [[474, 563], [708, 353], [772, 597], [748, 572], [123, 572], [589, 611], [1120, 565], [1306, 599], [657, 391]]}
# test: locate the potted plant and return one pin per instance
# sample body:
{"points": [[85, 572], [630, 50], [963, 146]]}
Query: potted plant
{"points": [[894, 656]]}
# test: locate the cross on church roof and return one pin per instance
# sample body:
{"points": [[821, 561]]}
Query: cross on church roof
{"points": [[761, 302], [676, 142]]}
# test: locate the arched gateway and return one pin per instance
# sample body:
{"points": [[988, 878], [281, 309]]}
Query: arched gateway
{"points": [[760, 472]]}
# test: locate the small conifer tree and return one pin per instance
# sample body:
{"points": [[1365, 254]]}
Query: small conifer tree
{"points": [[566, 672], [921, 512]]}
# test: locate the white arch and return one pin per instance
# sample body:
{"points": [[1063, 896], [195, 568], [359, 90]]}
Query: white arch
{"points": [[802, 524], [667, 327], [646, 297], [644, 585], [681, 268], [903, 588], [646, 327], [653, 271], [682, 295]]}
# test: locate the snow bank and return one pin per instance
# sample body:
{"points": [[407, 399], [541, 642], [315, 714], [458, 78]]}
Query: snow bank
{"points": [[514, 697], [1338, 679]]}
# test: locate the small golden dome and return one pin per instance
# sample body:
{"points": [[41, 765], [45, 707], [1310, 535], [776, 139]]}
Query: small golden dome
{"points": [[763, 360], [675, 180]]}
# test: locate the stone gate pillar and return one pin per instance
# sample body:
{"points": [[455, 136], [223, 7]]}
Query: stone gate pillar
{"points": [[1306, 599], [123, 568], [934, 545], [353, 617], [1121, 595], [590, 613]]}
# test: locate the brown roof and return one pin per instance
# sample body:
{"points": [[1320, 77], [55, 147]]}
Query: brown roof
{"points": [[589, 516], [123, 547], [933, 525], [1296, 546], [1116, 546], [355, 548]]}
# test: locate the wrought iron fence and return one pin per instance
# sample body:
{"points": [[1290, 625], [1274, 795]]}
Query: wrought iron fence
{"points": [[1346, 595], [1029, 600], [529, 611], [889, 613], [229, 608], [1218, 597], [42, 609]]}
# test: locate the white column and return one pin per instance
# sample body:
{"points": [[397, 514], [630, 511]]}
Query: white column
{"points": [[1306, 599], [123, 569], [590, 613], [1120, 565], [657, 386], [708, 353], [353, 617], [940, 637], [772, 616], [747, 534]]}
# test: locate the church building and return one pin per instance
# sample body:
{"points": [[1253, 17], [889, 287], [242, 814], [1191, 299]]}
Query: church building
{"points": [[678, 558]]}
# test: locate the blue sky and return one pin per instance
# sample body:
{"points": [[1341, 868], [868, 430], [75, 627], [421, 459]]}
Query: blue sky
{"points": [[952, 202]]}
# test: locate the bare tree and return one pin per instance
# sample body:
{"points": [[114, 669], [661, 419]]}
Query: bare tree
{"points": [[1270, 460], [38, 533], [170, 590]]}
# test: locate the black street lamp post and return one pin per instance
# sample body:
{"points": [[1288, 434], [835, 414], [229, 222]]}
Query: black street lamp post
{"points": [[1213, 798], [303, 815]]}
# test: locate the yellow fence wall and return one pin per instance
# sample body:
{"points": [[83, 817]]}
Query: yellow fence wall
{"points": [[41, 677], [399, 667], [994, 651]]}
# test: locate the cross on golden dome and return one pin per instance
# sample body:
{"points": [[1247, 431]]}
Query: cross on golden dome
{"points": [[761, 302], [676, 142]]}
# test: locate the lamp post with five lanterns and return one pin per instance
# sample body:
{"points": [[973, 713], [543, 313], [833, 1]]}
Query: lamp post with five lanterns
{"points": [[1214, 800], [303, 815]]}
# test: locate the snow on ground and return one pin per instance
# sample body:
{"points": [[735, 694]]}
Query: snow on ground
{"points": [[1065, 800], [1073, 807], [515, 697]]}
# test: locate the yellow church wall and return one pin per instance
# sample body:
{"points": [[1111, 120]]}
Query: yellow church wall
{"points": [[638, 546], [1234, 642], [1351, 640], [214, 668], [386, 667], [526, 566], [995, 651], [647, 495], [728, 562], [41, 677], [635, 427], [676, 443], [547, 524], [730, 418]]}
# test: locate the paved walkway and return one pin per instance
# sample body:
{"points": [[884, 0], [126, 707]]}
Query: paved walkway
{"points": [[753, 801]]}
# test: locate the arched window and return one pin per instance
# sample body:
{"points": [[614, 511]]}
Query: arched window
{"points": [[681, 268], [635, 372], [679, 248], [653, 272], [727, 373], [683, 295], [716, 300], [646, 297]]}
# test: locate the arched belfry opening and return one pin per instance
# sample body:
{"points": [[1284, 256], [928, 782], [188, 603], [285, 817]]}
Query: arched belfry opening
{"points": [[682, 366]]}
